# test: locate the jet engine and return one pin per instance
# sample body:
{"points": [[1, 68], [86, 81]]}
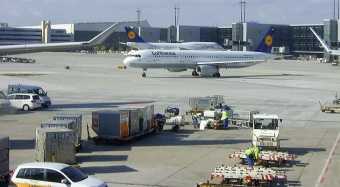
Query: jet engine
{"points": [[176, 69], [208, 71]]}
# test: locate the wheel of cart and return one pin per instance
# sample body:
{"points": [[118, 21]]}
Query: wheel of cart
{"points": [[159, 120], [175, 128]]}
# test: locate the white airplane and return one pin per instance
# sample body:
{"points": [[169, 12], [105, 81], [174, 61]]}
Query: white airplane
{"points": [[136, 42], [65, 46], [203, 62], [324, 45]]}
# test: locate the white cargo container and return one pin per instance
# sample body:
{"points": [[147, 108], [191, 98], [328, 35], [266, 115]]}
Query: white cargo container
{"points": [[205, 103], [55, 145], [67, 124], [77, 118]]}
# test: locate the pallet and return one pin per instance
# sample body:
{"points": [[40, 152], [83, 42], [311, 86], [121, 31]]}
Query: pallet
{"points": [[240, 175], [267, 157]]}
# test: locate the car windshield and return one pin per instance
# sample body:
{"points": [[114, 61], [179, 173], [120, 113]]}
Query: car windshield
{"points": [[35, 97], [40, 92], [269, 124], [2, 95], [74, 174]]}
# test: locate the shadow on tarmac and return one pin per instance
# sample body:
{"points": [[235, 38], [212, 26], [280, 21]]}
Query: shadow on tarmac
{"points": [[89, 147], [229, 77], [96, 105], [101, 158], [178, 139], [91, 170], [302, 150], [22, 144]]}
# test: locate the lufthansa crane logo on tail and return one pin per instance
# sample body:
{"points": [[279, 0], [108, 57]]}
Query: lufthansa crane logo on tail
{"points": [[268, 40], [131, 35]]}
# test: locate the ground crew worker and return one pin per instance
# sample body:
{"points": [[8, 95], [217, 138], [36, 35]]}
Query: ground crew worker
{"points": [[225, 118], [195, 121], [252, 154]]}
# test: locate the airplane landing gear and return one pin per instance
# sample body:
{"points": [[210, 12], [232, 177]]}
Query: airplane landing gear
{"points": [[194, 73], [217, 75], [144, 73]]}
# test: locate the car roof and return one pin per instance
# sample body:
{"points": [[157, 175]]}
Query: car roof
{"points": [[23, 94], [26, 86], [266, 116], [45, 165]]}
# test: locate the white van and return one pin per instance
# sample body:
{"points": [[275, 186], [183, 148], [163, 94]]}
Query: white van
{"points": [[24, 102], [52, 174], [20, 88]]}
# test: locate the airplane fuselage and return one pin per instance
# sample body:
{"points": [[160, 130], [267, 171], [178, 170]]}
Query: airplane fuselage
{"points": [[174, 46], [190, 59]]}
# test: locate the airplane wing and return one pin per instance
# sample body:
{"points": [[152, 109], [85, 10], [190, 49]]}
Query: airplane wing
{"points": [[218, 63], [31, 48]]}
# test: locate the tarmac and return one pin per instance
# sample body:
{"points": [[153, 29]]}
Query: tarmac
{"points": [[291, 89]]}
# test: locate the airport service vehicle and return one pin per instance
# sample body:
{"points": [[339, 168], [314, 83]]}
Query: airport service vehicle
{"points": [[266, 130], [19, 88], [53, 174], [4, 102], [204, 63], [24, 101], [64, 46], [332, 107], [137, 42]]}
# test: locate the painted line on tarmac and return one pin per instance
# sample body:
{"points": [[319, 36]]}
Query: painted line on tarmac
{"points": [[324, 171]]}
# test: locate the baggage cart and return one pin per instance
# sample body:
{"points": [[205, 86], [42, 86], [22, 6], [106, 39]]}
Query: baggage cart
{"points": [[242, 176], [267, 158]]}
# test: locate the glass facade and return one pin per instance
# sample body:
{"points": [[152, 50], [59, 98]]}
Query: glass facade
{"points": [[303, 40], [17, 36]]}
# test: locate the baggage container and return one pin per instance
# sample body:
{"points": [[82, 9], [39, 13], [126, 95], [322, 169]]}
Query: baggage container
{"points": [[67, 124], [111, 124], [210, 114], [205, 103], [124, 123], [140, 118], [150, 111], [78, 118], [4, 159], [134, 122], [55, 145]]}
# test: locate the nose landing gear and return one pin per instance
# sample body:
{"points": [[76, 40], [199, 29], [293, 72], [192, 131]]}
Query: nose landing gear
{"points": [[217, 75], [144, 73], [194, 73]]}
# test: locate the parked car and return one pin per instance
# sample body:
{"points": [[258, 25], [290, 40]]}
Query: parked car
{"points": [[21, 88], [53, 174], [24, 102]]}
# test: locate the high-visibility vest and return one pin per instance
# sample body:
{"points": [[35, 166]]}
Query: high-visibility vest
{"points": [[253, 151], [225, 115]]}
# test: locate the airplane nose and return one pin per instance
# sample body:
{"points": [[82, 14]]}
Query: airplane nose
{"points": [[127, 61]]}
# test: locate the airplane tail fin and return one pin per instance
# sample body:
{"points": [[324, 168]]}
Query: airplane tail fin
{"points": [[266, 43], [100, 38], [133, 36], [323, 43]]}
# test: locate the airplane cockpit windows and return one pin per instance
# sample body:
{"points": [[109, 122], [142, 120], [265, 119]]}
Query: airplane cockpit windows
{"points": [[134, 55]]}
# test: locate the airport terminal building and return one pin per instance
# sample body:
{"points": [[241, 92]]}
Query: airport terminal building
{"points": [[287, 39]]}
